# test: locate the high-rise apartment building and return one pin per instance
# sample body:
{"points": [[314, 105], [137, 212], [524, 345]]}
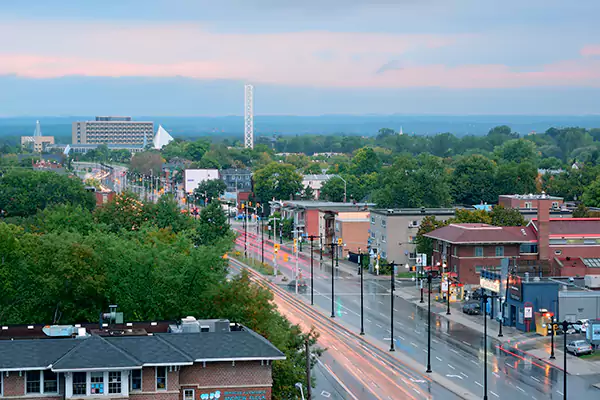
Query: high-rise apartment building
{"points": [[113, 130]]}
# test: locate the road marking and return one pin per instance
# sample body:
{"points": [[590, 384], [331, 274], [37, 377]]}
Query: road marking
{"points": [[325, 394], [467, 343], [521, 389], [494, 394], [454, 376], [368, 320], [382, 314], [451, 366], [535, 379], [387, 338], [496, 375], [379, 326], [425, 350], [435, 341], [416, 391], [478, 383], [334, 348], [559, 392], [439, 359], [508, 365], [414, 344], [381, 302], [395, 310], [474, 362], [463, 374], [401, 337], [367, 307], [374, 384]]}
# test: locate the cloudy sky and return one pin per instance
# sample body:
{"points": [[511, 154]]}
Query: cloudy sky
{"points": [[192, 57]]}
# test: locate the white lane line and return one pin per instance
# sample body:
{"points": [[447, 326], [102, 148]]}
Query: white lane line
{"points": [[368, 320], [535, 379], [439, 359], [435, 341], [467, 343], [400, 337], [414, 344], [379, 326], [474, 362], [559, 392], [478, 383], [425, 350], [496, 375], [451, 366], [382, 314], [463, 374], [508, 365], [367, 307], [395, 310], [334, 348], [521, 389], [454, 351], [388, 331], [416, 391], [494, 394], [381, 302]]}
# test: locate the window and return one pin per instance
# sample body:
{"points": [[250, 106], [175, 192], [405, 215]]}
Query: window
{"points": [[528, 204], [383, 238], [337, 226], [135, 383], [97, 383], [161, 378], [32, 384], [414, 224], [372, 235], [50, 382], [555, 204], [372, 220], [478, 251], [478, 269], [499, 251], [383, 222], [114, 382], [79, 383], [528, 248], [455, 251], [188, 394]]}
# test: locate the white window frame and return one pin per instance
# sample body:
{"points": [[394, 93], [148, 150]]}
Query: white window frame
{"points": [[69, 392], [1, 384], [528, 204], [496, 251], [383, 222], [555, 204], [131, 389], [383, 238], [191, 390], [156, 379]]}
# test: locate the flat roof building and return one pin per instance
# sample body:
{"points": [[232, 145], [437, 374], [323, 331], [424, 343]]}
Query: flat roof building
{"points": [[113, 130]]}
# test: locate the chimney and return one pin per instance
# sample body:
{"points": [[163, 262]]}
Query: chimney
{"points": [[543, 222]]}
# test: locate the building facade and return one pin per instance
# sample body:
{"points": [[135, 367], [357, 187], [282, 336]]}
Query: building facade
{"points": [[315, 182], [134, 364], [113, 130], [237, 179], [353, 228], [194, 177], [37, 144], [530, 201], [392, 232]]}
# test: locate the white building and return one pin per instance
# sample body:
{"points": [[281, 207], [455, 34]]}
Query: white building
{"points": [[112, 130], [315, 182], [193, 177]]}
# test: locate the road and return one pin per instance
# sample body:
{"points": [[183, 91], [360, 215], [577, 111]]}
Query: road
{"points": [[457, 351]]}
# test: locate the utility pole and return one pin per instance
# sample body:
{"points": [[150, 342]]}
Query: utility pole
{"points": [[311, 238], [262, 241], [392, 288], [333, 245], [245, 231], [429, 324], [296, 232], [362, 311], [308, 383]]}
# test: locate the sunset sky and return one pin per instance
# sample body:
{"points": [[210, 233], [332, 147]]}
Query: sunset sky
{"points": [[192, 57]]}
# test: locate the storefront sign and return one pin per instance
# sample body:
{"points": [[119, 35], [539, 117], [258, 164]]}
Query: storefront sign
{"points": [[444, 286], [489, 284], [246, 395], [528, 312], [515, 288]]}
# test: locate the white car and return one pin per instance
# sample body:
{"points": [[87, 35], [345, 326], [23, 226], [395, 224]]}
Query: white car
{"points": [[584, 323], [578, 347]]}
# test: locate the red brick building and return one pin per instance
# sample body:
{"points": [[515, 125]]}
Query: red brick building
{"points": [[552, 246], [129, 362], [530, 201]]}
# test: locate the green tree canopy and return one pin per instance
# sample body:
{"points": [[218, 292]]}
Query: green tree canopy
{"points": [[276, 181], [24, 192], [473, 180], [210, 190], [517, 151], [333, 189]]}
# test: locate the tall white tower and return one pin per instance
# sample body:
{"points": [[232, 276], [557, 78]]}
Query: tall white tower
{"points": [[249, 116], [38, 129]]}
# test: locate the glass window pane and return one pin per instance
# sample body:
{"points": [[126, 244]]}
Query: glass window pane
{"points": [[50, 382], [79, 383], [97, 383], [136, 379], [114, 382], [161, 378], [33, 382]]}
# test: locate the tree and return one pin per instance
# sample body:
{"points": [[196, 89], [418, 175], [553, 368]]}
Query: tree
{"points": [[24, 192], [501, 216], [313, 168], [125, 211], [147, 163], [581, 211], [591, 194], [473, 180], [365, 161], [195, 150], [500, 134], [425, 244], [212, 226], [471, 217], [333, 189], [276, 181], [513, 178], [210, 190], [308, 193], [517, 151]]}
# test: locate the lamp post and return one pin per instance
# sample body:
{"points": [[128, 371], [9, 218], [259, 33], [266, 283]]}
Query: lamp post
{"points": [[500, 334], [392, 287], [333, 245], [485, 385], [345, 186], [448, 295], [311, 238], [262, 239], [245, 232], [362, 311], [429, 324], [565, 326], [321, 247], [552, 339]]}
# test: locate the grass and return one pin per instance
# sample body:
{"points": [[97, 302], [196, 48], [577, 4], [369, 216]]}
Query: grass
{"points": [[591, 357]]}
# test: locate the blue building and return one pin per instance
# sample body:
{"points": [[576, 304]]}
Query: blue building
{"points": [[527, 298]]}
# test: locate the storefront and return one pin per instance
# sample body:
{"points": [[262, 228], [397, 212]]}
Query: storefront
{"points": [[491, 282], [526, 298]]}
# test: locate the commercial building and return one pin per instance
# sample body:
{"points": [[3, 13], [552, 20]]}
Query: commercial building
{"points": [[527, 300], [194, 177], [237, 179], [112, 130], [530, 201], [315, 182], [37, 143], [353, 228], [392, 232], [193, 360]]}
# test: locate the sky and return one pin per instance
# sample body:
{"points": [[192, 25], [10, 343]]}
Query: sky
{"points": [[193, 57]]}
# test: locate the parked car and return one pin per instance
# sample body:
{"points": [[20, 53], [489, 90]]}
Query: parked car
{"points": [[472, 308], [302, 287], [578, 347], [584, 324]]}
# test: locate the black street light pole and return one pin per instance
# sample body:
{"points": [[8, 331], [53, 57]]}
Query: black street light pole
{"points": [[429, 324], [332, 281], [311, 237], [262, 236], [552, 339], [245, 232], [485, 385], [321, 246], [448, 294], [392, 288], [565, 326], [362, 311]]}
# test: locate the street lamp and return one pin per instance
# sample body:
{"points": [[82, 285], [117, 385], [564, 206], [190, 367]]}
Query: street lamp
{"points": [[311, 238], [500, 334], [552, 339], [485, 386], [299, 387], [362, 312], [333, 244], [392, 281], [565, 326], [345, 186], [429, 324]]}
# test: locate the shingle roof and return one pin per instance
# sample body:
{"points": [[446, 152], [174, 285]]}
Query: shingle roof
{"points": [[132, 352], [571, 226], [482, 233], [224, 346], [32, 354], [95, 353]]}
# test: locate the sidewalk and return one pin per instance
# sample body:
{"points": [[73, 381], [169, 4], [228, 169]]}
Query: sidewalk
{"points": [[575, 365]]}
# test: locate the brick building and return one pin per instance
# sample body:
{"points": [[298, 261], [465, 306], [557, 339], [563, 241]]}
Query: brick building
{"points": [[129, 362], [530, 201], [353, 228]]}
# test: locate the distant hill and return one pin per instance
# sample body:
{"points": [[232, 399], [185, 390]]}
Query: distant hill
{"points": [[365, 125]]}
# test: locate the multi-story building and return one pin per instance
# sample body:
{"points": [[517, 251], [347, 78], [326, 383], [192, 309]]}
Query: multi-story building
{"points": [[113, 130], [392, 232], [315, 182], [529, 201], [37, 144], [193, 360], [353, 228], [237, 179]]}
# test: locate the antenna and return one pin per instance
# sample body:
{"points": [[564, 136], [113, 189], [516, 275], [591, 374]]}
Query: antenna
{"points": [[249, 116], [38, 129]]}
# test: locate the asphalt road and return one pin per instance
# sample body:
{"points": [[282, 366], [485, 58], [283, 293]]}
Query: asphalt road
{"points": [[457, 352]]}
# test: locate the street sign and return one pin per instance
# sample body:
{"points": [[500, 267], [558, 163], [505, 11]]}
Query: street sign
{"points": [[340, 241], [444, 286], [528, 312]]}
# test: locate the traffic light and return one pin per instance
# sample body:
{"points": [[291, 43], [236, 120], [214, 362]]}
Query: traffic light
{"points": [[295, 249], [340, 241], [277, 246], [295, 241], [243, 206]]}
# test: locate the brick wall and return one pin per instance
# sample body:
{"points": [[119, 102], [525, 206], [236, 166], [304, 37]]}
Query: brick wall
{"points": [[14, 385], [149, 379], [223, 374]]}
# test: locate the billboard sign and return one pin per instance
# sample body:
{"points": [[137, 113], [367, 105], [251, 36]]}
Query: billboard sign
{"points": [[515, 287], [193, 177]]}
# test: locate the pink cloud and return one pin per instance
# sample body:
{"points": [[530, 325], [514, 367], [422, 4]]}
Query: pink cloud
{"points": [[591, 50]]}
